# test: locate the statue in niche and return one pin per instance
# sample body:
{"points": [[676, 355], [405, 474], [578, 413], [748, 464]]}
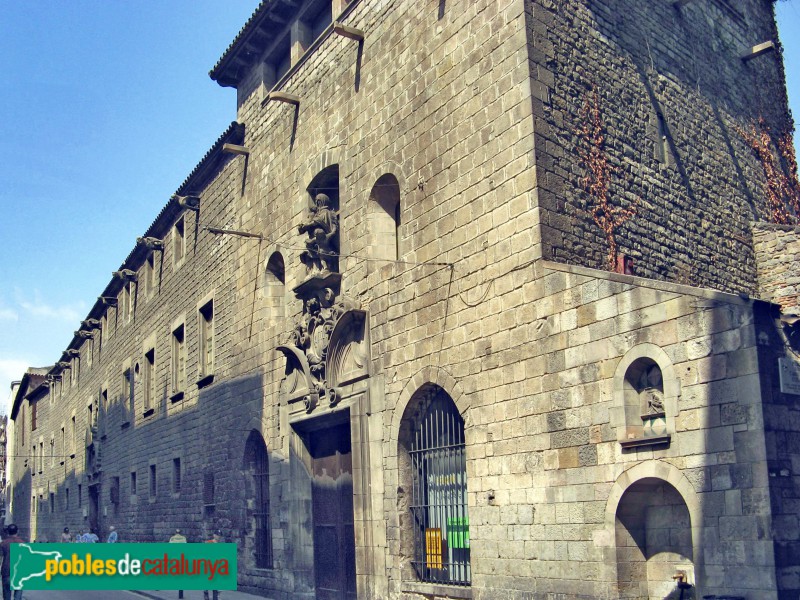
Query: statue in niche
{"points": [[322, 246], [652, 391]]}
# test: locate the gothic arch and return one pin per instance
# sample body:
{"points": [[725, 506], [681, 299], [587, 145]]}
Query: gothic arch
{"points": [[430, 375]]}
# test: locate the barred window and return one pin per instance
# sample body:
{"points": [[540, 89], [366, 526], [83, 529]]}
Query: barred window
{"points": [[256, 463], [439, 491]]}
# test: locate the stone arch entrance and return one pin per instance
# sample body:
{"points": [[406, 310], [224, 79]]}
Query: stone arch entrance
{"points": [[654, 542]]}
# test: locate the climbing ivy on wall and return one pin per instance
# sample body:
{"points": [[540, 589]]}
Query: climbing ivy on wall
{"points": [[608, 217], [781, 185]]}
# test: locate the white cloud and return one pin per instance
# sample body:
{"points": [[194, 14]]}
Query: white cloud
{"points": [[40, 309], [7, 314]]}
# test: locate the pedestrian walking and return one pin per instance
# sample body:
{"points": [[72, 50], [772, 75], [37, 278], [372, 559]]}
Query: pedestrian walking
{"points": [[5, 554], [216, 538]]}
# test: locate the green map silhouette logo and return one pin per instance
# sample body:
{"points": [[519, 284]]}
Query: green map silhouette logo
{"points": [[28, 563]]}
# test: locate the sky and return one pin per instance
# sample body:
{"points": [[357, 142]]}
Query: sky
{"points": [[105, 108]]}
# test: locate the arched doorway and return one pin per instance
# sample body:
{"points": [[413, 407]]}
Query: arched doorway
{"points": [[653, 534]]}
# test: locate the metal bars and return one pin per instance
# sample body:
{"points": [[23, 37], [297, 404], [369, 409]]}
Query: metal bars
{"points": [[439, 493], [256, 451]]}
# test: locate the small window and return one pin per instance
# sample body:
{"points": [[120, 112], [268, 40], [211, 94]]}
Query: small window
{"points": [[178, 362], [153, 486], [178, 242], [33, 416], [206, 318], [133, 483], [208, 488], [149, 380], [113, 492], [80, 495], [150, 276], [176, 475], [126, 395]]}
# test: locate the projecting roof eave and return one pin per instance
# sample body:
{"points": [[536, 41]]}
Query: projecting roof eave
{"points": [[32, 380], [208, 166]]}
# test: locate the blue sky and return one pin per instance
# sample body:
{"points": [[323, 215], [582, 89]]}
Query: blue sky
{"points": [[106, 108]]}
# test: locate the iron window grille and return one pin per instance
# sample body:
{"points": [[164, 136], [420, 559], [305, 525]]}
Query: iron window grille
{"points": [[439, 494]]}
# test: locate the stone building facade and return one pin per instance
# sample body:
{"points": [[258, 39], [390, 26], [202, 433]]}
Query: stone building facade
{"points": [[374, 337]]}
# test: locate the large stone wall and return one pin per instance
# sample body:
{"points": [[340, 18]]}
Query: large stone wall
{"points": [[697, 188], [777, 250]]}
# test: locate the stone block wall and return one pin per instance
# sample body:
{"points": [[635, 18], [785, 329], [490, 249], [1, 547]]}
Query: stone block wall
{"points": [[549, 481], [777, 250], [672, 90]]}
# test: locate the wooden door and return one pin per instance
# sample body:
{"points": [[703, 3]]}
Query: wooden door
{"points": [[332, 505]]}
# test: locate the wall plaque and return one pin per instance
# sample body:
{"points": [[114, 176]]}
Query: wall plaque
{"points": [[789, 375]]}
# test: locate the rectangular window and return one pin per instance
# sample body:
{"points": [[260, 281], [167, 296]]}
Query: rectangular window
{"points": [[208, 488], [150, 274], [63, 445], [73, 437], [206, 317], [80, 495], [176, 475], [33, 416], [130, 299], [153, 487], [113, 492], [52, 502], [149, 381], [52, 451], [178, 363], [66, 498], [178, 242], [133, 483], [126, 397], [41, 457]]}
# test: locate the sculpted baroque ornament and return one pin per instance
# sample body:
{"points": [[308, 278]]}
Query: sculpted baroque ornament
{"points": [[323, 304]]}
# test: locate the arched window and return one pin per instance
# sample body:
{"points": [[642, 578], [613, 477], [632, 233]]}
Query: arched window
{"points": [[435, 477], [258, 539], [275, 285], [384, 218]]}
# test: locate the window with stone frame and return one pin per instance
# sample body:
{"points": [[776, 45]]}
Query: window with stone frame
{"points": [[153, 482], [149, 391], [178, 242], [178, 362], [206, 342], [176, 476]]}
